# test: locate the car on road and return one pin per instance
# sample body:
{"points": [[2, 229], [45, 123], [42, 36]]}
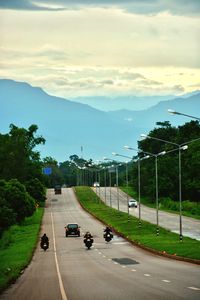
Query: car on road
{"points": [[96, 184], [132, 203], [72, 229], [58, 189]]}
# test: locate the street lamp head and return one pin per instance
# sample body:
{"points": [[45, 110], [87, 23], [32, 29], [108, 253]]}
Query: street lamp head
{"points": [[127, 147], [145, 157], [162, 153], [185, 147], [171, 111], [115, 154]]}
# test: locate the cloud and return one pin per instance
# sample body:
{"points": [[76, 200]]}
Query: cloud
{"points": [[29, 5], [177, 7]]}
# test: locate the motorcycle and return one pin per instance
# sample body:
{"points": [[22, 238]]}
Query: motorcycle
{"points": [[88, 242], [44, 245], [108, 236]]}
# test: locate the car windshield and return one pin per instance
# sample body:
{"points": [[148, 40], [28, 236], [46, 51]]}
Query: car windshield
{"points": [[72, 225]]}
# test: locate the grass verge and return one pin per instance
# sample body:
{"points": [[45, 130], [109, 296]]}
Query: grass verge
{"points": [[16, 248], [166, 243]]}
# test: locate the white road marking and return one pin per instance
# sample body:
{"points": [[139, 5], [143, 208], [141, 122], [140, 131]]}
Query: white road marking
{"points": [[147, 275], [109, 259], [165, 280], [115, 263], [99, 252], [194, 288], [104, 256], [62, 290], [133, 270], [123, 266]]}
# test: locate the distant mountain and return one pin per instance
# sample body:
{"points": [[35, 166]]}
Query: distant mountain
{"points": [[65, 125], [122, 102], [146, 119], [68, 125]]}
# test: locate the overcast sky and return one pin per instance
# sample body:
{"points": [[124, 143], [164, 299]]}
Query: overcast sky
{"points": [[78, 48]]}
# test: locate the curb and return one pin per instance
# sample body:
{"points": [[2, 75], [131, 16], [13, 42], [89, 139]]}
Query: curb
{"points": [[155, 252]]}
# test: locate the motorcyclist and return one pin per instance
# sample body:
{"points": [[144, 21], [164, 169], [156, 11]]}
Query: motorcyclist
{"points": [[88, 235], [44, 240], [108, 230]]}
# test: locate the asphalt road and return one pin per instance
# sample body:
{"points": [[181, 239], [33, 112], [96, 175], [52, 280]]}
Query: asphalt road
{"points": [[190, 226], [110, 271]]}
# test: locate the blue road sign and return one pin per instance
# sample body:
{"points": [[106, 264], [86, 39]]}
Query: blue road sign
{"points": [[47, 170]]}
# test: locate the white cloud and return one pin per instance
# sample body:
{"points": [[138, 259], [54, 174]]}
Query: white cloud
{"points": [[100, 51]]}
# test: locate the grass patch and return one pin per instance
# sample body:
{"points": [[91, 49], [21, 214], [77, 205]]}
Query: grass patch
{"points": [[146, 235], [17, 246], [189, 209]]}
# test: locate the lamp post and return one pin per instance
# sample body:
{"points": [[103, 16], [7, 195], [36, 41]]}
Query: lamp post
{"points": [[156, 180], [116, 154], [180, 147], [117, 180], [173, 112], [105, 183], [139, 172]]}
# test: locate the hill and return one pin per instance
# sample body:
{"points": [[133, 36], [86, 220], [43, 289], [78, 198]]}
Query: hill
{"points": [[68, 125], [65, 125]]}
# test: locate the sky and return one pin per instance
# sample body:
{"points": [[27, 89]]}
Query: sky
{"points": [[102, 48]]}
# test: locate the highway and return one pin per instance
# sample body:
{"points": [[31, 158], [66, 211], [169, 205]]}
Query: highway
{"points": [[110, 271], [191, 227]]}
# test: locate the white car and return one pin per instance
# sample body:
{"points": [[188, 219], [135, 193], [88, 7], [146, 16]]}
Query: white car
{"points": [[96, 184], [132, 203]]}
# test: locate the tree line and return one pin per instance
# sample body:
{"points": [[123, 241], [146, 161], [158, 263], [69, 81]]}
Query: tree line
{"points": [[78, 171], [22, 184]]}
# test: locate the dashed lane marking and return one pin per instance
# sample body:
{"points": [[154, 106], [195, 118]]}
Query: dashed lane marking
{"points": [[147, 275], [133, 270], [62, 290], [165, 280]]}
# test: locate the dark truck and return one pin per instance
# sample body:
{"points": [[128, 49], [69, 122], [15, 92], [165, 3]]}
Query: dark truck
{"points": [[57, 189]]}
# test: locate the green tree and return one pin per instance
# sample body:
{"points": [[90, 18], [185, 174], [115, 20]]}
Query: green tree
{"points": [[36, 189], [17, 156], [19, 200]]}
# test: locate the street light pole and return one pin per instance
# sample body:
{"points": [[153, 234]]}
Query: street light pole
{"points": [[116, 154], [180, 147], [117, 183], [105, 183], [139, 178], [127, 186], [110, 188], [173, 112]]}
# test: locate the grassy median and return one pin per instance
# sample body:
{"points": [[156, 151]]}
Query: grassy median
{"points": [[166, 242], [16, 248]]}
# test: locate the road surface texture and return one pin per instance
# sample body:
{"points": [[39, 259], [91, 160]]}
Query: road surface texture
{"points": [[108, 271], [190, 226]]}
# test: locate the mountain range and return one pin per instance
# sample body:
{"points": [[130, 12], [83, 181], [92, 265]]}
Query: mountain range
{"points": [[69, 126]]}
